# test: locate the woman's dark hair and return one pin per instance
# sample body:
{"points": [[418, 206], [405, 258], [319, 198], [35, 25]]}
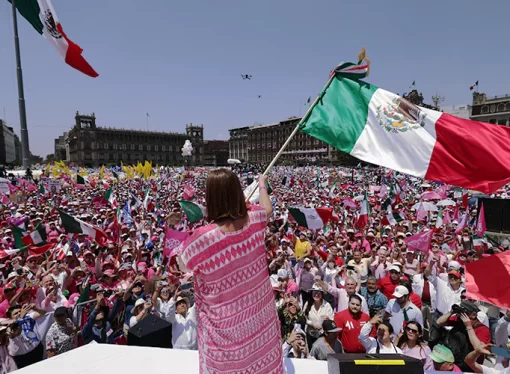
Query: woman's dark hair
{"points": [[224, 196], [419, 341], [354, 296]]}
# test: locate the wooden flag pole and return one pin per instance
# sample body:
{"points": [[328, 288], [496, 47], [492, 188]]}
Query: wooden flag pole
{"points": [[305, 117]]}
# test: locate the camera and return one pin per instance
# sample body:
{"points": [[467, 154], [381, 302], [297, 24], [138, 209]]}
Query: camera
{"points": [[457, 309]]}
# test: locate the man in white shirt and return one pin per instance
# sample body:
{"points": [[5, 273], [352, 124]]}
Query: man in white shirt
{"points": [[447, 292], [400, 310], [483, 349], [184, 323], [342, 294]]}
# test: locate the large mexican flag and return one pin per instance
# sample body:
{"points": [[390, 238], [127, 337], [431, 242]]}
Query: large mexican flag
{"points": [[382, 128], [41, 15]]}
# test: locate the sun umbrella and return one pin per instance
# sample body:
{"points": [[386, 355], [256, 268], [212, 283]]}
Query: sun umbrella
{"points": [[432, 195], [446, 202], [429, 207]]}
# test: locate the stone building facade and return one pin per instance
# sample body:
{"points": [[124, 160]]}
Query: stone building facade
{"points": [[261, 143], [215, 152], [91, 145], [495, 109]]}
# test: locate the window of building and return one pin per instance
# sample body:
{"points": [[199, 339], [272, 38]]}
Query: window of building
{"points": [[115, 146], [485, 109], [501, 108], [492, 120], [132, 147], [163, 148], [140, 147], [105, 146], [170, 148], [507, 107], [156, 148], [502, 122], [148, 147]]}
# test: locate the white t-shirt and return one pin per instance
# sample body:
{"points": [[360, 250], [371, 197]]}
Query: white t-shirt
{"points": [[487, 370], [132, 321]]}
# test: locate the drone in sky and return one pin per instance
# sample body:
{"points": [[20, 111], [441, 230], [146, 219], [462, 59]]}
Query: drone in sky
{"points": [[246, 76]]}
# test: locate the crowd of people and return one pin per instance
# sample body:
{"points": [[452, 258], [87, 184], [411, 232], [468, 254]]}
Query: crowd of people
{"points": [[351, 286]]}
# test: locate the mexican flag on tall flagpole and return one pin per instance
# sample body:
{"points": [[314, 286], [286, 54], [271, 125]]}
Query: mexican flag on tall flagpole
{"points": [[311, 218], [363, 213], [382, 128], [41, 15]]}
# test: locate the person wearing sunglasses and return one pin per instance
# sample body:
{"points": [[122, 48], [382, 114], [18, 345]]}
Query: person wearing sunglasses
{"points": [[410, 341]]}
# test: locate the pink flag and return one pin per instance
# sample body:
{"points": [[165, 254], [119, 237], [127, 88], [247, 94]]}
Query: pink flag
{"points": [[462, 224], [421, 213], [188, 192], [383, 192], [350, 203], [5, 200], [173, 239], [456, 213], [12, 187], [442, 191], [490, 286], [480, 224], [446, 217], [420, 242]]}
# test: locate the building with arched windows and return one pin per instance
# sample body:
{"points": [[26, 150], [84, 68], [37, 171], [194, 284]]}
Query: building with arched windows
{"points": [[90, 145], [261, 143], [495, 109]]}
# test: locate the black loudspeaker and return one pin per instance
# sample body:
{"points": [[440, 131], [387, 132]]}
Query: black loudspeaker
{"points": [[497, 214], [363, 363], [151, 331]]}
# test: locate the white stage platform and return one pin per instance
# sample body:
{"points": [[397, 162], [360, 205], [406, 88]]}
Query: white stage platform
{"points": [[112, 359]]}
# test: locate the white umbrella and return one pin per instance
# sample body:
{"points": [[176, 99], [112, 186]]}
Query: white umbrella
{"points": [[232, 161], [427, 206], [446, 202], [426, 185]]}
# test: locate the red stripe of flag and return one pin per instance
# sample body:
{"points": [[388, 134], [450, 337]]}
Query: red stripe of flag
{"points": [[470, 154]]}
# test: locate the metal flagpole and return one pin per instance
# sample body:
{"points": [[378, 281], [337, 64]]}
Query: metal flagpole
{"points": [[25, 148], [304, 118]]}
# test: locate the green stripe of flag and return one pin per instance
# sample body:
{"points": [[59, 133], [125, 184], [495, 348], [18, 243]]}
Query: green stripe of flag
{"points": [[194, 212], [30, 10], [69, 223], [298, 216], [340, 115]]}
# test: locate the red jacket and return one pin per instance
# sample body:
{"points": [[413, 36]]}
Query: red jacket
{"points": [[387, 286]]}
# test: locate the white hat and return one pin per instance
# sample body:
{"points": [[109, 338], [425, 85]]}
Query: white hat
{"points": [[482, 317], [453, 265], [139, 302], [282, 273], [395, 267], [387, 227], [316, 287], [400, 291]]}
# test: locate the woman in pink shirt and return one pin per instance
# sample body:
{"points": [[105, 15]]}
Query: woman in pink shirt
{"points": [[238, 325]]}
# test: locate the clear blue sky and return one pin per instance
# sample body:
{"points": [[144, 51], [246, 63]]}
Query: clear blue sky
{"points": [[181, 61]]}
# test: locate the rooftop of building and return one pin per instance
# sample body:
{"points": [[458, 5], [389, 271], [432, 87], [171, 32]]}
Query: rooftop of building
{"points": [[259, 126], [139, 132]]}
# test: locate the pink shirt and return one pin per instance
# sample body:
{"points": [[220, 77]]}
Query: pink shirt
{"points": [[237, 322]]}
